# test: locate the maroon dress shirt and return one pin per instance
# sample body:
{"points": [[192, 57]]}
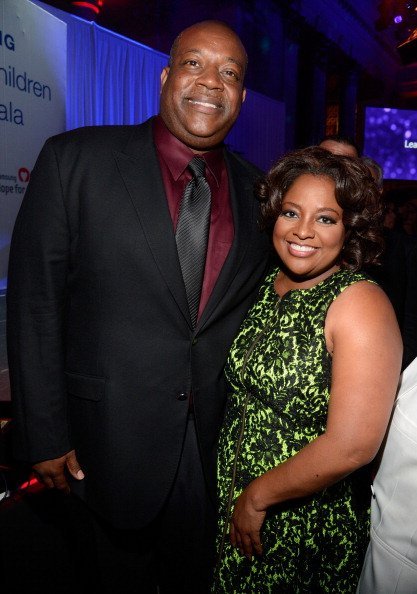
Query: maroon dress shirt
{"points": [[174, 157]]}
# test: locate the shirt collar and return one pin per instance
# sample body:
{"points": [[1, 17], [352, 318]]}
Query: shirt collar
{"points": [[177, 155]]}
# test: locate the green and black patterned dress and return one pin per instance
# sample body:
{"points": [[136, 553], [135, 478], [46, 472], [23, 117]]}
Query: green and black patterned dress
{"points": [[279, 373]]}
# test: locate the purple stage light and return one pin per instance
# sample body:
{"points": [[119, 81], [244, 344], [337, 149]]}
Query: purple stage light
{"points": [[398, 19]]}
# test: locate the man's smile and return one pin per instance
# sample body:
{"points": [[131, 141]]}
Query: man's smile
{"points": [[204, 103]]}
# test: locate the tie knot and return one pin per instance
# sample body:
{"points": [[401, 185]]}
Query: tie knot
{"points": [[198, 167]]}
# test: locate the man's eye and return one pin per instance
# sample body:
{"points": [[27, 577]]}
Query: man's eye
{"points": [[231, 74], [191, 62]]}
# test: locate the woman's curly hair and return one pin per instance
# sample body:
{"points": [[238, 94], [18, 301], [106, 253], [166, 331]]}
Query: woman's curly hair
{"points": [[355, 191]]}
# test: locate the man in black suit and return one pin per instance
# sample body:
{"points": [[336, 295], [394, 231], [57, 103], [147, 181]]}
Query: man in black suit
{"points": [[117, 396]]}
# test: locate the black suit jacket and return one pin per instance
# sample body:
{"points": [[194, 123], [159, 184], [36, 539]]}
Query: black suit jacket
{"points": [[102, 354]]}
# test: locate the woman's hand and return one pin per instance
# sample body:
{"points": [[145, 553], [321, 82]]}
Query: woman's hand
{"points": [[246, 523]]}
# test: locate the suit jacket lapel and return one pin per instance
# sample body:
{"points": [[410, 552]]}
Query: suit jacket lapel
{"points": [[138, 165]]}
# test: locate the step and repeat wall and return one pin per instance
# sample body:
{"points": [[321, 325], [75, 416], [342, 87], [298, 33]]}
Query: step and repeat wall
{"points": [[33, 75]]}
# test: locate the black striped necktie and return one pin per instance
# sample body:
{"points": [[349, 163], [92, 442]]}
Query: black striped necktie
{"points": [[192, 232]]}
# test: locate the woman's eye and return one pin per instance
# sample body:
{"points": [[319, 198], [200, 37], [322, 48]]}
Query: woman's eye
{"points": [[327, 220], [289, 214]]}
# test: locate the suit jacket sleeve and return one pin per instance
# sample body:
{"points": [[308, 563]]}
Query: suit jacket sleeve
{"points": [[36, 300]]}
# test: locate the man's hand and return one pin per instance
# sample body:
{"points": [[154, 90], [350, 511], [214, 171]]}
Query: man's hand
{"points": [[246, 524], [52, 473]]}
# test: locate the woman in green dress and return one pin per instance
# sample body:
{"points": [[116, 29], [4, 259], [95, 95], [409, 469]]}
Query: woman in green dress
{"points": [[312, 374]]}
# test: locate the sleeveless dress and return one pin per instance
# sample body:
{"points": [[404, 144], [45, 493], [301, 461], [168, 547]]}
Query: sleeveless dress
{"points": [[279, 374]]}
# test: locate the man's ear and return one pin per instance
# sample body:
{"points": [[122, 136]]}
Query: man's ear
{"points": [[243, 94], [164, 75]]}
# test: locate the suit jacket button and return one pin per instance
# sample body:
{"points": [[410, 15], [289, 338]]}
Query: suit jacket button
{"points": [[194, 342], [182, 396]]}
